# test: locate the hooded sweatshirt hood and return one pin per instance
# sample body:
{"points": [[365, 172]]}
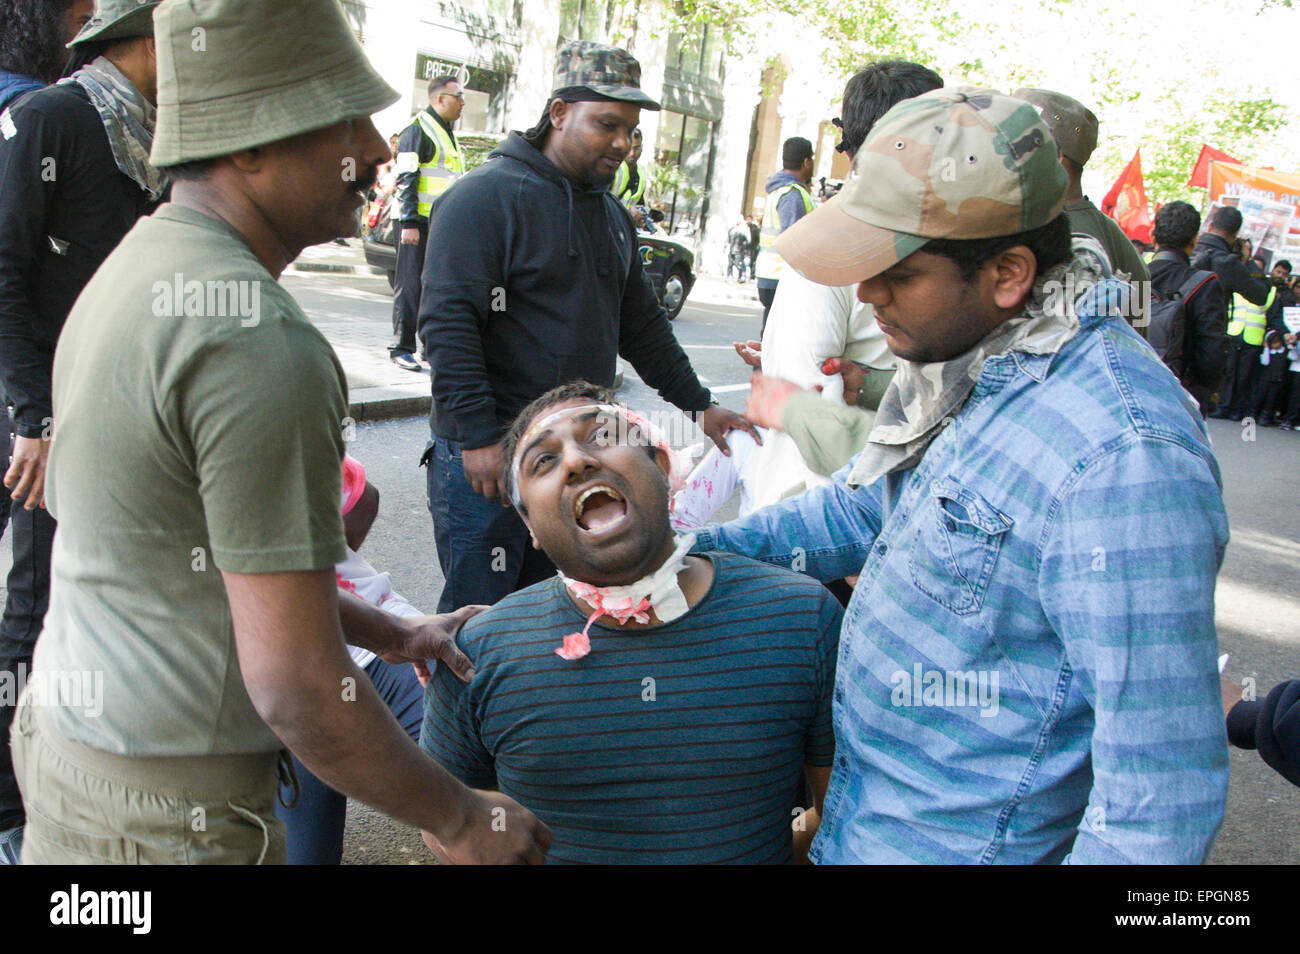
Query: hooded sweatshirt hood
{"points": [[781, 179]]}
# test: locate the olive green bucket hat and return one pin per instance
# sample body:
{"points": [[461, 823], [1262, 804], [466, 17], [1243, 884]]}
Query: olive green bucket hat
{"points": [[117, 20], [1073, 125], [235, 74]]}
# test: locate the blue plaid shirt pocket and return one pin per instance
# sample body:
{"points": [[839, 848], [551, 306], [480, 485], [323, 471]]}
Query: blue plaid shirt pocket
{"points": [[956, 545]]}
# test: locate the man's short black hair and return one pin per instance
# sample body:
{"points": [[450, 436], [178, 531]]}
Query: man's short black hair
{"points": [[1050, 244], [439, 83], [1226, 219], [557, 395], [874, 90], [1177, 225], [794, 152], [1283, 264]]}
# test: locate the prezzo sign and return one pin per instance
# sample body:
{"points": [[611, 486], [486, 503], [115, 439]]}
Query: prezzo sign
{"points": [[428, 66]]}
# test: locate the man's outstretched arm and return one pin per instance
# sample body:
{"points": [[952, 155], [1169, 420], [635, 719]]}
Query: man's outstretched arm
{"points": [[826, 533], [302, 682]]}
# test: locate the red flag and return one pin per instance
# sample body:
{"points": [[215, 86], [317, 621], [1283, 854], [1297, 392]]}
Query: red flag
{"points": [[1126, 202], [1201, 171]]}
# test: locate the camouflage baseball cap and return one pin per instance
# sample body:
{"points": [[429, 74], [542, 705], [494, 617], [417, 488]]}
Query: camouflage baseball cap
{"points": [[117, 20], [602, 69], [1073, 125], [961, 163]]}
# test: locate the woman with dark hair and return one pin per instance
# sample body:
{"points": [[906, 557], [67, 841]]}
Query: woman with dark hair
{"points": [[33, 39]]}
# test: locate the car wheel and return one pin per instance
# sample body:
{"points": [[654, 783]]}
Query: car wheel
{"points": [[675, 289]]}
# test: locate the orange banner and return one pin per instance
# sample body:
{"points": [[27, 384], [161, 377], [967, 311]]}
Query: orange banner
{"points": [[1262, 192]]}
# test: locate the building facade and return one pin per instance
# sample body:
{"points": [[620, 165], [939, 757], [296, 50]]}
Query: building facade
{"points": [[708, 150]]}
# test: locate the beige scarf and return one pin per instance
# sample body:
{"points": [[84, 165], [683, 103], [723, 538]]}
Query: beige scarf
{"points": [[923, 397]]}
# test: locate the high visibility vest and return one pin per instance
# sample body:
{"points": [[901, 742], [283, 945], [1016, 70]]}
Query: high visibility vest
{"points": [[1249, 319], [770, 264], [629, 197], [442, 169]]}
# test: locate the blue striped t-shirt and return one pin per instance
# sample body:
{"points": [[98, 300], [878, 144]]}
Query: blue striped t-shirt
{"points": [[681, 744]]}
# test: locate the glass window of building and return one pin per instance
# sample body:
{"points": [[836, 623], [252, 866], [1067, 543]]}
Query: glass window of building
{"points": [[584, 20], [685, 143]]}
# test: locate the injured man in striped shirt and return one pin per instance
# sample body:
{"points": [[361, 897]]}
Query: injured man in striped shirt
{"points": [[649, 705]]}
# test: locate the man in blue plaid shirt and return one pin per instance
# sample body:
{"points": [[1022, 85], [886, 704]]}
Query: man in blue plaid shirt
{"points": [[1027, 669]]}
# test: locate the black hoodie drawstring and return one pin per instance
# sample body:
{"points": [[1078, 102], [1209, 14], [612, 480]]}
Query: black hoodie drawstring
{"points": [[608, 258], [568, 191]]}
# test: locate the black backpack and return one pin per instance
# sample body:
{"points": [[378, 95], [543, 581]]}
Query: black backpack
{"points": [[1167, 331]]}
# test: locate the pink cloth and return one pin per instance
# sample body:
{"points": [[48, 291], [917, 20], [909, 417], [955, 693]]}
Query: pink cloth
{"points": [[354, 482]]}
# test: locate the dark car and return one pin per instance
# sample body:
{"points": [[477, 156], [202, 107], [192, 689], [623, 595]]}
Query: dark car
{"points": [[669, 262]]}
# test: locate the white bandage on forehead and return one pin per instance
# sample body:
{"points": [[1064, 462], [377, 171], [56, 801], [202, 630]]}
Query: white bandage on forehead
{"points": [[629, 418]]}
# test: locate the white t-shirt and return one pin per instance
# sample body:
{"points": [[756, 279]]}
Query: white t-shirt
{"points": [[361, 579], [807, 324]]}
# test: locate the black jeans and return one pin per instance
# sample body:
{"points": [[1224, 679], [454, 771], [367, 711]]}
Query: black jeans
{"points": [[29, 596], [406, 292], [6, 451], [737, 262], [484, 549], [1239, 381], [1292, 415], [766, 296]]}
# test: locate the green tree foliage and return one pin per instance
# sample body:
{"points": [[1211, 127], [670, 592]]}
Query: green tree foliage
{"points": [[1235, 125]]}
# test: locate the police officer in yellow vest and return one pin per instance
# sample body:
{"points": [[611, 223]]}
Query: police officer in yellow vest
{"points": [[788, 200], [629, 182], [429, 160], [1246, 331]]}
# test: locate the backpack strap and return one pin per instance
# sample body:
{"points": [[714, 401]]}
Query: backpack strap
{"points": [[1194, 283]]}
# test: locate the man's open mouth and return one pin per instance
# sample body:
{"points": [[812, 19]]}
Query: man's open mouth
{"points": [[599, 508]]}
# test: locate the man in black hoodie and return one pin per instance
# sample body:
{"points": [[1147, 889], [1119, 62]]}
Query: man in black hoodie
{"points": [[74, 177], [1204, 350], [1215, 250], [532, 279]]}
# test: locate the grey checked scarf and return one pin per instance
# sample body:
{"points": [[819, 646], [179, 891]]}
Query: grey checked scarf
{"points": [[128, 119], [922, 396]]}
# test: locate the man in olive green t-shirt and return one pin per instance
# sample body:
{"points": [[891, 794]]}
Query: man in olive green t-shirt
{"points": [[1075, 129], [195, 627]]}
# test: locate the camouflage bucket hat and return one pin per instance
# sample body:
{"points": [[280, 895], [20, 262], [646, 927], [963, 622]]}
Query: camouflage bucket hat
{"points": [[1073, 125], [953, 163], [235, 74], [602, 69], [117, 20]]}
